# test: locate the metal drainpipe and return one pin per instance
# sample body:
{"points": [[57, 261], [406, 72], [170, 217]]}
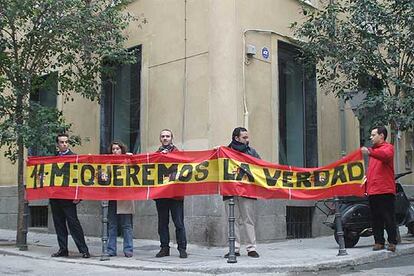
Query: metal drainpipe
{"points": [[342, 126], [397, 150], [185, 77]]}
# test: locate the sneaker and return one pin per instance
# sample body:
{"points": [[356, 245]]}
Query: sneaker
{"points": [[378, 247], [61, 253], [86, 255], [227, 255], [253, 254], [391, 247], [183, 253], [128, 255], [165, 251]]}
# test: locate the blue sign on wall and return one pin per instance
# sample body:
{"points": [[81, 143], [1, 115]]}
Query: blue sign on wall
{"points": [[265, 53]]}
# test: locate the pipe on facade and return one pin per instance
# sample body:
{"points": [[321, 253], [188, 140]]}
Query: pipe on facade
{"points": [[245, 109], [185, 78]]}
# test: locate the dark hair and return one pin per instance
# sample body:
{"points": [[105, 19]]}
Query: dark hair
{"points": [[123, 147], [169, 130], [381, 130], [237, 131], [61, 135]]}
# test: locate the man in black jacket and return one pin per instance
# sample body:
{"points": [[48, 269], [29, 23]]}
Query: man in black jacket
{"points": [[64, 210], [244, 206]]}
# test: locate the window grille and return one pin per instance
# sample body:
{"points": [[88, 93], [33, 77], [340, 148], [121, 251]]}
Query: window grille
{"points": [[299, 222], [38, 216]]}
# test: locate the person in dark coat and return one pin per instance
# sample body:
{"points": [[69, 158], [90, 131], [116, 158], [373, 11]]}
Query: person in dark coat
{"points": [[244, 206], [175, 206], [64, 211]]}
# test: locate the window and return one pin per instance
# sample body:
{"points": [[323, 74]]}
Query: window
{"points": [[120, 109], [44, 95], [369, 85], [46, 90], [38, 216], [299, 222], [297, 110]]}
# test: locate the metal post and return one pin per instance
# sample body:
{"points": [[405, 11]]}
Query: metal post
{"points": [[23, 246], [339, 229], [232, 237], [397, 150], [105, 255], [343, 126]]}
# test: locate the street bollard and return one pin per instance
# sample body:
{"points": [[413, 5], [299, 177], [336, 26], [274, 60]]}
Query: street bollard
{"points": [[105, 255], [339, 229], [232, 237]]}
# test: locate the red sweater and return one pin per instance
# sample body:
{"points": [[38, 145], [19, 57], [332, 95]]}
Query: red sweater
{"points": [[380, 175]]}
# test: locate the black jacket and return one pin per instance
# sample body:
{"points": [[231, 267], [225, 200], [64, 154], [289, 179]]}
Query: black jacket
{"points": [[244, 149]]}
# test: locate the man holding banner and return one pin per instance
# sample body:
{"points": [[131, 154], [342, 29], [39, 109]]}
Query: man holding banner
{"points": [[381, 189], [64, 211], [174, 205], [244, 206]]}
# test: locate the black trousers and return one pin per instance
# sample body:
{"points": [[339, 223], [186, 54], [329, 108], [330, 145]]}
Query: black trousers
{"points": [[64, 211], [176, 207], [383, 217]]}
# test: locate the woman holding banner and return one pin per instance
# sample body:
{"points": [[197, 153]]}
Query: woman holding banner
{"points": [[120, 213]]}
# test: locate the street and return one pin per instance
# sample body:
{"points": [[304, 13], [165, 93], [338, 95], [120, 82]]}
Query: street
{"points": [[398, 266]]}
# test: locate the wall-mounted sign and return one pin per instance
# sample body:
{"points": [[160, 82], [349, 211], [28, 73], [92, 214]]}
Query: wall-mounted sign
{"points": [[265, 53]]}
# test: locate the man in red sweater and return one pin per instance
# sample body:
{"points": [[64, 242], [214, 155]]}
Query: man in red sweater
{"points": [[381, 189]]}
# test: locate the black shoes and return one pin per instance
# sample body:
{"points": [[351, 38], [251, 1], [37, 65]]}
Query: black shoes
{"points": [[64, 253], [165, 251], [227, 255], [183, 253], [253, 254], [391, 247], [60, 253]]}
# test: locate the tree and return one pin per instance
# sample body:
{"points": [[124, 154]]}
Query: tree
{"points": [[37, 37], [364, 46]]}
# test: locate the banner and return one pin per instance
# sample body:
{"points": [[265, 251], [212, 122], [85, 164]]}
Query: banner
{"points": [[183, 173]]}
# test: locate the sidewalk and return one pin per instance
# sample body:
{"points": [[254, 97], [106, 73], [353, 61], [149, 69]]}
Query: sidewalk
{"points": [[288, 255]]}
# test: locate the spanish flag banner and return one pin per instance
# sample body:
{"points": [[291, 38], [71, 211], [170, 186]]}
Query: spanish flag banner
{"points": [[156, 175]]}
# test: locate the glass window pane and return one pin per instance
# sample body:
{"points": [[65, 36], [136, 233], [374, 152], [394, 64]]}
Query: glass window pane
{"points": [[297, 110], [120, 112]]}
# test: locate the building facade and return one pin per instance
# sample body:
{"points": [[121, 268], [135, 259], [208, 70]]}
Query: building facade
{"points": [[203, 68]]}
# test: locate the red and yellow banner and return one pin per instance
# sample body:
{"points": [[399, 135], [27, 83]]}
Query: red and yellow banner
{"points": [[156, 175]]}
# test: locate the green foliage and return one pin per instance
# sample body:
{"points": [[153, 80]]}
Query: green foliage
{"points": [[37, 37], [365, 46], [43, 123]]}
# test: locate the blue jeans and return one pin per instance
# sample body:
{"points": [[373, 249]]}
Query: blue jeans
{"points": [[176, 207], [125, 221]]}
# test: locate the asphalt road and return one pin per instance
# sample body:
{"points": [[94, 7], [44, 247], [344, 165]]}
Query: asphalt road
{"points": [[398, 266]]}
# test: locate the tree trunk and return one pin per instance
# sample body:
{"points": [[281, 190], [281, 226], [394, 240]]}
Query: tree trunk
{"points": [[21, 235]]}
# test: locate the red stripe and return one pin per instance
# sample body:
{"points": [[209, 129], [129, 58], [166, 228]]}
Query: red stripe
{"points": [[112, 193], [254, 191]]}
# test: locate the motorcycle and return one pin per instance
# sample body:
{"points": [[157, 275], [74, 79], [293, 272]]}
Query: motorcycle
{"points": [[356, 214]]}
